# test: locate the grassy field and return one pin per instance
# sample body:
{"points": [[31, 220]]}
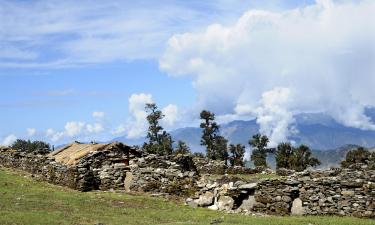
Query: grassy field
{"points": [[26, 201]]}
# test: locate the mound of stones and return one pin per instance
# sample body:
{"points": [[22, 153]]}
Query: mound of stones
{"points": [[234, 196]]}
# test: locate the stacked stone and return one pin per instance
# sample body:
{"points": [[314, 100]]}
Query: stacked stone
{"points": [[231, 197], [164, 174], [349, 193], [102, 170], [98, 170], [275, 197], [208, 166], [40, 166]]}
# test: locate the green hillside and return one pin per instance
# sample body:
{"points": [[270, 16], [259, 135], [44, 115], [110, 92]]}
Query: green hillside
{"points": [[26, 201]]}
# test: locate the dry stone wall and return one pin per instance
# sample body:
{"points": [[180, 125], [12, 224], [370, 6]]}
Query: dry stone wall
{"points": [[331, 192], [164, 174], [207, 166], [98, 170]]}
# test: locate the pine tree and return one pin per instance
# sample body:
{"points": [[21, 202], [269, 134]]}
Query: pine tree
{"points": [[259, 154], [210, 131], [182, 148], [237, 153], [159, 141], [220, 150]]}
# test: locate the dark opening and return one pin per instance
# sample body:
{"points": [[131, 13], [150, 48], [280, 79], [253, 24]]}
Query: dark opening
{"points": [[240, 197]]}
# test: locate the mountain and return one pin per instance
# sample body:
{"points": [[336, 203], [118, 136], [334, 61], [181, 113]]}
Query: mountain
{"points": [[329, 140]]}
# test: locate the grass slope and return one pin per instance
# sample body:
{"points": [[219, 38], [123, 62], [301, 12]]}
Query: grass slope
{"points": [[26, 201]]}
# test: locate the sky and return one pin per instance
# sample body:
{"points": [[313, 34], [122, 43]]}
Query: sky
{"points": [[83, 70]]}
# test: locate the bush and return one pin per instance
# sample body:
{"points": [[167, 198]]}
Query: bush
{"points": [[358, 156], [36, 147]]}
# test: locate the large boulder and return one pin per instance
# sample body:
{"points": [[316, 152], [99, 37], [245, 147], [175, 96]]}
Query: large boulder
{"points": [[225, 203], [248, 204], [206, 199], [297, 208]]}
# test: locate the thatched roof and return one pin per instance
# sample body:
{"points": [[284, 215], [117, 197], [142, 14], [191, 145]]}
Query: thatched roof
{"points": [[72, 153]]}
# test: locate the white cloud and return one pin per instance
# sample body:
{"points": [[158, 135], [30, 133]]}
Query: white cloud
{"points": [[54, 135], [274, 116], [8, 140], [74, 128], [171, 115], [96, 31], [273, 64], [138, 125], [94, 128], [119, 129], [31, 132], [98, 115]]}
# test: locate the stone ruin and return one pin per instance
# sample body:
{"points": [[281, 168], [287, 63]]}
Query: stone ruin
{"points": [[113, 166], [116, 166], [331, 192], [207, 166]]}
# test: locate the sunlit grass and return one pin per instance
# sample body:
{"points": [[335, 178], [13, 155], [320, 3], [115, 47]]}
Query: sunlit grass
{"points": [[26, 201]]}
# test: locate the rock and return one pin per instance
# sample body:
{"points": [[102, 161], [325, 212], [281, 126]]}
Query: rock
{"points": [[128, 181], [249, 186], [225, 203], [286, 198], [213, 207], [248, 204], [297, 208], [206, 199], [347, 193]]}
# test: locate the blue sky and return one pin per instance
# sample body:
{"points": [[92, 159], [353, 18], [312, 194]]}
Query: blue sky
{"points": [[82, 70]]}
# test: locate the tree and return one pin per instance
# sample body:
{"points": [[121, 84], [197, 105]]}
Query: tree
{"points": [[259, 155], [297, 159], [220, 149], [210, 131], [182, 148], [283, 155], [359, 155], [153, 118], [38, 147], [302, 158], [159, 141], [237, 153]]}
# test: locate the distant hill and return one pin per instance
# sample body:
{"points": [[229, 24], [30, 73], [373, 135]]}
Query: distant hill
{"points": [[329, 139]]}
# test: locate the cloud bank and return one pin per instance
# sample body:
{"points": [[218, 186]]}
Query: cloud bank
{"points": [[272, 65]]}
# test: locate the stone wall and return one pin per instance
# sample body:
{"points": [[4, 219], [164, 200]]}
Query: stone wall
{"points": [[164, 174], [40, 166], [107, 169], [207, 166], [331, 192], [98, 170]]}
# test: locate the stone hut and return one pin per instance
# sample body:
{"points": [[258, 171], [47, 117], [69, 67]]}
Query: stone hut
{"points": [[96, 166]]}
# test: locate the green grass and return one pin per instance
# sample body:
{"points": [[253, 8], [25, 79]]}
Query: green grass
{"points": [[26, 201]]}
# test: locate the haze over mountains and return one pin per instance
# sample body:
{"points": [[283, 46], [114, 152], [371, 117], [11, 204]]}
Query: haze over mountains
{"points": [[329, 140], [317, 130]]}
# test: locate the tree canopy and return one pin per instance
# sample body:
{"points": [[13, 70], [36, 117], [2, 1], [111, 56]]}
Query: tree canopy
{"points": [[38, 147]]}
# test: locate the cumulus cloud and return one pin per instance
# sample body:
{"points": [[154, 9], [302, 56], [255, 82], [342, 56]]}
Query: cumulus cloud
{"points": [[98, 115], [273, 64], [94, 128], [138, 124], [8, 140], [31, 132], [171, 115], [53, 135], [74, 128]]}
